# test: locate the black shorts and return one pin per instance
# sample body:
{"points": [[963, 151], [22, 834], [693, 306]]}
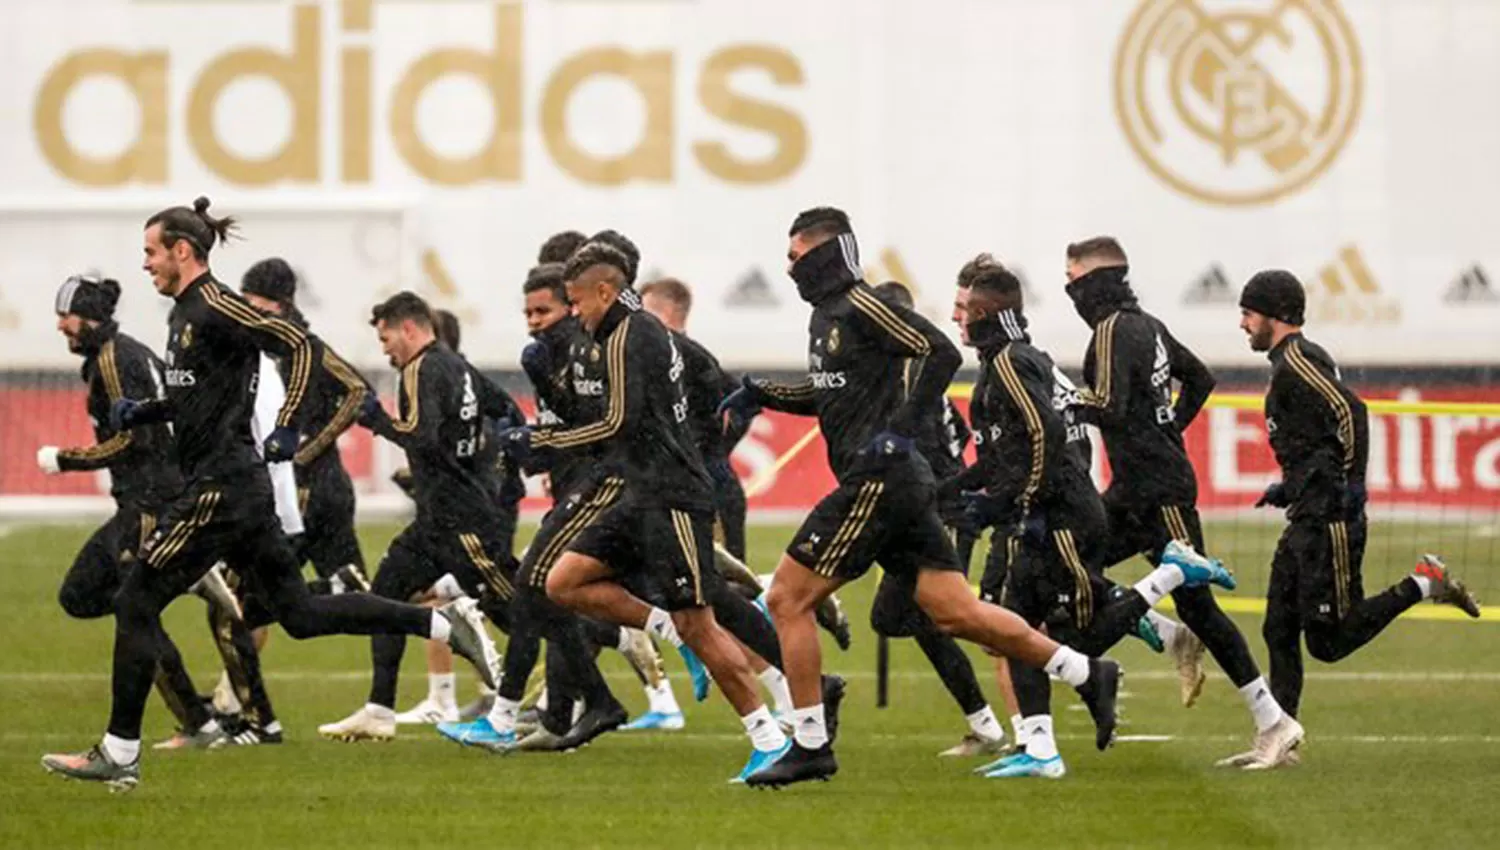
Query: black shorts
{"points": [[425, 551], [88, 590], [230, 518], [325, 496], [890, 516], [1316, 570], [660, 553], [1137, 529], [570, 515]]}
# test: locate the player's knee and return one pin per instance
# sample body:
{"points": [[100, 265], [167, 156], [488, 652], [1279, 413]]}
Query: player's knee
{"points": [[81, 605], [1324, 645], [888, 619]]}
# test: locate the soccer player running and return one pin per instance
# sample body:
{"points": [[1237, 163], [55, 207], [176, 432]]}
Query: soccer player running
{"points": [[1129, 368], [658, 537], [1319, 431], [1037, 489], [143, 478], [226, 510], [885, 504], [894, 612], [442, 406]]}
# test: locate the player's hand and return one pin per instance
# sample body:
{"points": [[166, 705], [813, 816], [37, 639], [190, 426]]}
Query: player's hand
{"points": [[46, 458], [534, 357], [370, 409], [981, 509], [1033, 529], [515, 443], [739, 407], [123, 412], [891, 444], [1275, 497], [280, 445]]}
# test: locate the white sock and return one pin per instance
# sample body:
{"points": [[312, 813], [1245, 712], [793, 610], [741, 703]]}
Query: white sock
{"points": [[781, 692], [441, 627], [442, 688], [503, 714], [541, 700], [1039, 741], [811, 728], [380, 712], [624, 643], [1165, 626], [765, 733], [579, 707], [1018, 726], [661, 699], [273, 727], [211, 726], [984, 724], [1424, 584], [1263, 707], [659, 623], [1068, 664], [447, 588], [121, 751], [1159, 583]]}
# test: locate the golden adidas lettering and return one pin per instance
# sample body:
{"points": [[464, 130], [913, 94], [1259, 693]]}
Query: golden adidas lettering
{"points": [[324, 94]]}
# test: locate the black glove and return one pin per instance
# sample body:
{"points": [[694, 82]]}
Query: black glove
{"points": [[739, 407], [982, 510], [515, 443], [1275, 496], [280, 444], [370, 410], [534, 357], [123, 412], [891, 444]]}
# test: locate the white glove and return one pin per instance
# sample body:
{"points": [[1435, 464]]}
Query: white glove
{"points": [[46, 458]]}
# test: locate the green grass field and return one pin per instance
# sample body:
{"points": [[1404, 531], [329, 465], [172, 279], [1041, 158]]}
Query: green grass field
{"points": [[1402, 751]]}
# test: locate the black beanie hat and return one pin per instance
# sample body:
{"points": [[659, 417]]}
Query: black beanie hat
{"points": [[88, 296], [1275, 293], [271, 278]]}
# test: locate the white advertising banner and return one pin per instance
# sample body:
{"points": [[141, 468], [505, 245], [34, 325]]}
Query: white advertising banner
{"points": [[380, 145]]}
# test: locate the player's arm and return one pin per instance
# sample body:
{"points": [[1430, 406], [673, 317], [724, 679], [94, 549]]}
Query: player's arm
{"points": [[798, 399], [551, 392], [1033, 436], [627, 356], [903, 333], [352, 387], [425, 390], [1195, 382], [1316, 415], [117, 383], [1115, 349], [494, 402], [273, 336]]}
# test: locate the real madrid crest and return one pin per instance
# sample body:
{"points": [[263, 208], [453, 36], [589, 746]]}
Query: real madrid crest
{"points": [[1237, 102], [833, 340], [594, 354], [185, 339]]}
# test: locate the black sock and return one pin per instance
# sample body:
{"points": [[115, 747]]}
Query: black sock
{"points": [[953, 668]]}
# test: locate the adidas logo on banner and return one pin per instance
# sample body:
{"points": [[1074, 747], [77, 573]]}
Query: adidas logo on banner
{"points": [[1345, 292], [752, 290], [1472, 285], [1211, 287]]}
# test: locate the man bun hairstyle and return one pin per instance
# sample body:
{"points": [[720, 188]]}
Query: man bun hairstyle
{"points": [[400, 307], [985, 275], [194, 226], [560, 246], [599, 254]]}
